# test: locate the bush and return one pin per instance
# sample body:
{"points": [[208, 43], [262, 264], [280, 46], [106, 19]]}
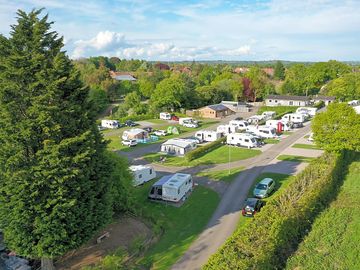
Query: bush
{"points": [[200, 151], [319, 104], [278, 109], [274, 233], [137, 117]]}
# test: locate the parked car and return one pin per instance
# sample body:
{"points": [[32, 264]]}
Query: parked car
{"points": [[129, 143], [238, 118], [174, 118], [190, 125], [160, 132], [130, 123], [264, 188], [252, 206], [297, 125]]}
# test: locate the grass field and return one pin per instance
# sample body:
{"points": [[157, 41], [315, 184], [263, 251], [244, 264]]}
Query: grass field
{"points": [[333, 242], [223, 175], [306, 146], [219, 155], [181, 224], [295, 158], [271, 141]]}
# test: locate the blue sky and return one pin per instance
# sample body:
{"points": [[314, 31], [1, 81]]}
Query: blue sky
{"points": [[202, 30]]}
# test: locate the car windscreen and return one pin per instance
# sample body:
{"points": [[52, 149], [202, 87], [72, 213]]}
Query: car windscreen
{"points": [[261, 186]]}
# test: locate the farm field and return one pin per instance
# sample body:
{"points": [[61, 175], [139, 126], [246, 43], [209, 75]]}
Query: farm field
{"points": [[333, 242], [217, 156]]}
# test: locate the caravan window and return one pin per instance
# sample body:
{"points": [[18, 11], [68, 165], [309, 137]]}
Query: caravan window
{"points": [[209, 135], [246, 140], [140, 175], [178, 190], [264, 131], [159, 191], [152, 190], [150, 171]]}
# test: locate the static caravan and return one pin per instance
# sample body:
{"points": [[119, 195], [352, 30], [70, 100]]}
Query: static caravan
{"points": [[285, 126], [309, 110], [240, 124], [242, 139], [165, 116], [262, 131], [208, 135], [110, 124], [142, 174], [227, 129], [176, 187], [268, 115], [156, 189], [294, 117], [178, 147]]}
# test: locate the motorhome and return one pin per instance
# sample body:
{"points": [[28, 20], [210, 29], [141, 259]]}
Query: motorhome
{"points": [[240, 124], [142, 174], [242, 139], [285, 126], [294, 117], [262, 131], [227, 129], [177, 187], [307, 110], [268, 115], [110, 124], [208, 135], [165, 116]]}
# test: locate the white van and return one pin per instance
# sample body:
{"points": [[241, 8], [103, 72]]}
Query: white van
{"points": [[165, 116], [240, 124], [176, 187], [242, 139], [286, 126], [226, 129], [208, 135], [110, 124], [263, 131], [294, 117], [142, 174]]}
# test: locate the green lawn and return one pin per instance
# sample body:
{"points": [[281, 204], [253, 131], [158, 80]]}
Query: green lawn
{"points": [[271, 141], [223, 175], [333, 242], [306, 146], [181, 225], [295, 158], [287, 132], [219, 155]]}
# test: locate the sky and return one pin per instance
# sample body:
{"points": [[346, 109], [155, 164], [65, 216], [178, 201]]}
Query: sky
{"points": [[165, 30]]}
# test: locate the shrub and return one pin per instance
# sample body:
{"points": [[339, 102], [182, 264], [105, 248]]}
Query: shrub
{"points": [[275, 232], [319, 104], [136, 117], [200, 151]]}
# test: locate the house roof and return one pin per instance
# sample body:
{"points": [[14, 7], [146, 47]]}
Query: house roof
{"points": [[182, 143], [218, 107], [324, 98], [301, 98]]}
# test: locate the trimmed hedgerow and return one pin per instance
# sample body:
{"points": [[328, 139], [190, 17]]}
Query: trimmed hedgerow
{"points": [[200, 151]]}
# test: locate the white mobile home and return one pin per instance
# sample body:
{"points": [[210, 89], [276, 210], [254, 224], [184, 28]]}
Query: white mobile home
{"points": [[285, 126], [242, 139], [142, 174], [294, 117], [309, 110], [240, 124], [110, 124], [262, 131], [178, 147], [227, 129], [208, 135], [278, 100], [177, 187], [165, 116]]}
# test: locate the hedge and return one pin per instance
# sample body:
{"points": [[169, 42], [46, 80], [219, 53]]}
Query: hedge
{"points": [[200, 151], [275, 232], [137, 117], [319, 105]]}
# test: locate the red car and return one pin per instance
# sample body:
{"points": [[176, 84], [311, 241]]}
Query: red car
{"points": [[174, 118]]}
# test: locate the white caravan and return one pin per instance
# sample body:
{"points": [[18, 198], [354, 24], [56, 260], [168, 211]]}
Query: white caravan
{"points": [[184, 120], [110, 124], [227, 129], [208, 135], [357, 109], [240, 124], [176, 187], [307, 110], [286, 126], [165, 116], [294, 117], [255, 119], [354, 103], [242, 139], [263, 131], [268, 115], [142, 174]]}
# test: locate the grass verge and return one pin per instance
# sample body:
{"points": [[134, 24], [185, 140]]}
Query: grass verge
{"points": [[271, 141], [306, 146], [295, 158], [223, 175]]}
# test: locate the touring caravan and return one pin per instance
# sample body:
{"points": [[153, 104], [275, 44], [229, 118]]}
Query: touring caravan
{"points": [[156, 189], [285, 126], [255, 119], [142, 174], [208, 135], [268, 115], [110, 124], [241, 125], [307, 110], [165, 116], [176, 187], [294, 117], [262, 131], [227, 129], [242, 139], [185, 120]]}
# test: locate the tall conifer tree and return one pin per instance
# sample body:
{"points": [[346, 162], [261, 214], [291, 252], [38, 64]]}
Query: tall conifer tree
{"points": [[54, 178]]}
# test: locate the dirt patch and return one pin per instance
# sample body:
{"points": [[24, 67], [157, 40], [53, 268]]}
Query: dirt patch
{"points": [[122, 234]]}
